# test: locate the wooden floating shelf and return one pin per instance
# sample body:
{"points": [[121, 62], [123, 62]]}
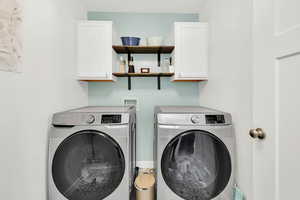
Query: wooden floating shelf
{"points": [[158, 75], [143, 74], [143, 49]]}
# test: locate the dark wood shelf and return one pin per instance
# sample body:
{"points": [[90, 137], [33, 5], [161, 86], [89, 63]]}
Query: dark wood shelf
{"points": [[143, 49], [158, 75], [143, 74]]}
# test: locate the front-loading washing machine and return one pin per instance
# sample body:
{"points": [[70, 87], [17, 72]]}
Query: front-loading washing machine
{"points": [[92, 154], [195, 154]]}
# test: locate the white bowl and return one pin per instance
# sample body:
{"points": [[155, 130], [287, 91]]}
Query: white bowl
{"points": [[154, 41]]}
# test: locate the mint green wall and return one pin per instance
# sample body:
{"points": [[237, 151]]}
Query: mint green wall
{"points": [[144, 89], [143, 24]]}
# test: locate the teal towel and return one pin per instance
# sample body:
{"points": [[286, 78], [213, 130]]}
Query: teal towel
{"points": [[238, 194]]}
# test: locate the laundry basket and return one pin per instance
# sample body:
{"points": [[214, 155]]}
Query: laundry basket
{"points": [[145, 185]]}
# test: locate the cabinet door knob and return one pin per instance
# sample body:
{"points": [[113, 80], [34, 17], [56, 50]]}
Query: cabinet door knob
{"points": [[257, 133]]}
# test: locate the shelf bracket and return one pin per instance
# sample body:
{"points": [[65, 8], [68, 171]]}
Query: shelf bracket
{"points": [[129, 82], [158, 83], [158, 58], [129, 57]]}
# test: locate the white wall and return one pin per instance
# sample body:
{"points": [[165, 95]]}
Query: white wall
{"points": [[230, 74], [46, 85]]}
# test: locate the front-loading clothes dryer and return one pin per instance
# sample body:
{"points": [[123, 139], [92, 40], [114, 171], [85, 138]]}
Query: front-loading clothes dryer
{"points": [[194, 153], [92, 154]]}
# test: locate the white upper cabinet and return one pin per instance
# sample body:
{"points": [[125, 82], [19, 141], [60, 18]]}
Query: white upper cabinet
{"points": [[191, 51], [95, 58]]}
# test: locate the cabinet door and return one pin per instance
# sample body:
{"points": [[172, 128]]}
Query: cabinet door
{"points": [[191, 46], [94, 50]]}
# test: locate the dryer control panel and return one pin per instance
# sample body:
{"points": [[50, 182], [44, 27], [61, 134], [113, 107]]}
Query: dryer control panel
{"points": [[200, 119]]}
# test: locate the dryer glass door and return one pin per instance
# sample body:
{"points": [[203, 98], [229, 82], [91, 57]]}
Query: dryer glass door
{"points": [[89, 165], [196, 165]]}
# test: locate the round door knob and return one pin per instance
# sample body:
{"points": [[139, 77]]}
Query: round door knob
{"points": [[257, 133], [196, 119], [91, 119]]}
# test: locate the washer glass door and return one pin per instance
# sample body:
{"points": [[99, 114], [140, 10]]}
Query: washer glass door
{"points": [[196, 165], [89, 165]]}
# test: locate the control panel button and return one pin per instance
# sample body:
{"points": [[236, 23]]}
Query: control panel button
{"points": [[91, 119], [196, 119]]}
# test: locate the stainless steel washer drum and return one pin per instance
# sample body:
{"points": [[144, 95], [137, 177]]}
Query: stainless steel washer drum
{"points": [[88, 165]]}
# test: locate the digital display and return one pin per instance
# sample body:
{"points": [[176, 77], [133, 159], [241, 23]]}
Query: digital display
{"points": [[111, 119], [215, 119]]}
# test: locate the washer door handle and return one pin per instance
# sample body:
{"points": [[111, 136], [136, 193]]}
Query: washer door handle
{"points": [[257, 133]]}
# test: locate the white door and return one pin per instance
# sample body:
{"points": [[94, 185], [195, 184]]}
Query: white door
{"points": [[276, 162]]}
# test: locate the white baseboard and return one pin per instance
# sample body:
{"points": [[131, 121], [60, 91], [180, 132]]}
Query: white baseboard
{"points": [[145, 164]]}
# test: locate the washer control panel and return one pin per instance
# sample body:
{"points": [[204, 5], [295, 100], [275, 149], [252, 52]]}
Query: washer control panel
{"points": [[105, 119], [215, 119], [90, 118], [111, 119]]}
